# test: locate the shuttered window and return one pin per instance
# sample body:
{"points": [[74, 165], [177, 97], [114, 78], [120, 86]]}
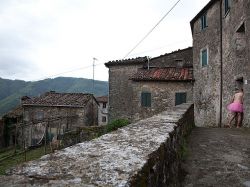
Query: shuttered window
{"points": [[180, 98], [146, 99], [204, 57], [227, 6], [203, 21]]}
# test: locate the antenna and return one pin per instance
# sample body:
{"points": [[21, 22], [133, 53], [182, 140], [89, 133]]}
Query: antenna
{"points": [[93, 83], [148, 61]]}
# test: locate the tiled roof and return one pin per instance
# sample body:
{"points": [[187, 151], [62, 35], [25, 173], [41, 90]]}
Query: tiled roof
{"points": [[164, 74], [102, 99], [59, 99], [137, 60], [16, 112]]}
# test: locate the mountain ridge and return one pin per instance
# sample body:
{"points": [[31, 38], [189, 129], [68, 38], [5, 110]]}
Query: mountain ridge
{"points": [[12, 90]]}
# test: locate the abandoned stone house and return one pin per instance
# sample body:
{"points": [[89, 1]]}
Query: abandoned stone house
{"points": [[9, 122], [142, 87], [1, 134], [102, 110], [59, 111], [221, 59]]}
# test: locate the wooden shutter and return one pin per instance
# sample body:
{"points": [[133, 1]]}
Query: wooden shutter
{"points": [[146, 99], [204, 57]]}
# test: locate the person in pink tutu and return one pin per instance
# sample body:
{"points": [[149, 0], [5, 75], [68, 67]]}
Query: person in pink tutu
{"points": [[236, 109]]}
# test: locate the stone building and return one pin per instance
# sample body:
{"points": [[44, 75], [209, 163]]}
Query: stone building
{"points": [[221, 57], [142, 87], [1, 134], [60, 111], [10, 122], [102, 110]]}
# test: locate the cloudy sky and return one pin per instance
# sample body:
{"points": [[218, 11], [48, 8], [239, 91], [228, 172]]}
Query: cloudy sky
{"points": [[49, 38]]}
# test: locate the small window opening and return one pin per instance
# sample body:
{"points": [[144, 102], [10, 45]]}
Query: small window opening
{"points": [[241, 29]]}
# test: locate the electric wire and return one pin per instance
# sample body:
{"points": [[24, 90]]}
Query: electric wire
{"points": [[151, 30]]}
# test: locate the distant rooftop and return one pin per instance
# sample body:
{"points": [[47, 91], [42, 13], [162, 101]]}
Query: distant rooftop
{"points": [[141, 60], [102, 99], [59, 99]]}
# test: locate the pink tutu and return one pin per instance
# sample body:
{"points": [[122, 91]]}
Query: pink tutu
{"points": [[235, 107]]}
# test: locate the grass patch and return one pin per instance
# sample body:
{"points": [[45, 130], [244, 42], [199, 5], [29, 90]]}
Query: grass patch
{"points": [[116, 124], [20, 158]]}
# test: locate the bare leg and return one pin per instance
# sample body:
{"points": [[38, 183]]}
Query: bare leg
{"points": [[231, 118], [239, 119]]}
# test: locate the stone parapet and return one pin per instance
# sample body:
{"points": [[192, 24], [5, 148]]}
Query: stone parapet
{"points": [[146, 153]]}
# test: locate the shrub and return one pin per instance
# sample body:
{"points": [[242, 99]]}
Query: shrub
{"points": [[114, 125]]}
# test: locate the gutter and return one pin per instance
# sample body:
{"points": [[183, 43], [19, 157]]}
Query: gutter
{"points": [[221, 66]]}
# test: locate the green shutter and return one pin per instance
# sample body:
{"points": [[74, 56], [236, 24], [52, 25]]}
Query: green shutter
{"points": [[204, 57], [227, 6], [146, 99], [203, 21]]}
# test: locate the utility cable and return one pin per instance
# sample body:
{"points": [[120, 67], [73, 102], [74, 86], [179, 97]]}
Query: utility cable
{"points": [[151, 30], [77, 69]]}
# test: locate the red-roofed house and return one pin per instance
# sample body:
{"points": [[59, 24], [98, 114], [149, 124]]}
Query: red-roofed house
{"points": [[142, 87]]}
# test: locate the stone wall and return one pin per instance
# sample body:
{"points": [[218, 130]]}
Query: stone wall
{"points": [[235, 60], [179, 58], [206, 98], [120, 91], [57, 119], [125, 94], [146, 153], [235, 49], [162, 97]]}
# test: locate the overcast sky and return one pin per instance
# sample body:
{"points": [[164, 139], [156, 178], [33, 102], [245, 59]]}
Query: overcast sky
{"points": [[49, 38]]}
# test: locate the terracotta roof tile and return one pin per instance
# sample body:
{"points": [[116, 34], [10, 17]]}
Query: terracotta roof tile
{"points": [[102, 99], [59, 99], [164, 74], [137, 60]]}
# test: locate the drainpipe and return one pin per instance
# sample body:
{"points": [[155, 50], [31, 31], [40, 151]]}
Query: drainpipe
{"points": [[221, 65]]}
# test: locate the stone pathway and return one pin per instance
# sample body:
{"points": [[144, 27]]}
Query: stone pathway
{"points": [[218, 157]]}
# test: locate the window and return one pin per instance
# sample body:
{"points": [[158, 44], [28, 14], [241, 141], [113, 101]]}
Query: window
{"points": [[104, 105], [203, 21], [180, 98], [146, 99], [204, 57], [104, 119], [227, 6], [39, 115]]}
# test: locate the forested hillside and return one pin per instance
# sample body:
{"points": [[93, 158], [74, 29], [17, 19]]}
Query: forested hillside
{"points": [[12, 90]]}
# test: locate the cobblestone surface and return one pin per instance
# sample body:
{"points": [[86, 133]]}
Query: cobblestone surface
{"points": [[218, 157]]}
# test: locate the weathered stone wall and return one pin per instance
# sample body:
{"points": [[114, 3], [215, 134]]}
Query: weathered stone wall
{"points": [[125, 94], [162, 97], [82, 134], [121, 91], [57, 119], [235, 59], [82, 116], [146, 153], [235, 52], [177, 58], [247, 69], [207, 79]]}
